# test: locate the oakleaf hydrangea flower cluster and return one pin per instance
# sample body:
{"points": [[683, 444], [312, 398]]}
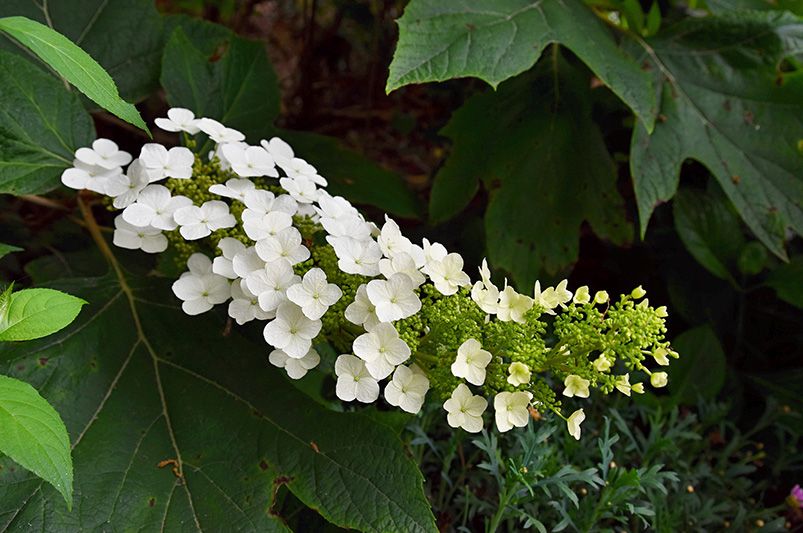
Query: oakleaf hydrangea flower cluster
{"points": [[256, 229]]}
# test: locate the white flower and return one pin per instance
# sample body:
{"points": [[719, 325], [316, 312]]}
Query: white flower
{"points": [[553, 297], [361, 311], [465, 409], [581, 295], [660, 356], [348, 226], [284, 245], [407, 389], [200, 292], [295, 368], [91, 177], [125, 188], [576, 386], [356, 256], [393, 298], [302, 189], [222, 265], [199, 222], [218, 132], [518, 374], [471, 362], [623, 384], [249, 161], [104, 153], [291, 331], [402, 263], [601, 297], [513, 305], [574, 421], [280, 151], [247, 262], [162, 163], [244, 306], [602, 363], [659, 379], [268, 225], [147, 239], [198, 265], [447, 274], [260, 202], [270, 284], [487, 298], [353, 380], [432, 252], [391, 241], [235, 188], [179, 119], [334, 207], [511, 410], [314, 295], [381, 349], [155, 207]]}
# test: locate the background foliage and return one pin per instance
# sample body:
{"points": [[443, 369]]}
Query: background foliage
{"points": [[619, 142]]}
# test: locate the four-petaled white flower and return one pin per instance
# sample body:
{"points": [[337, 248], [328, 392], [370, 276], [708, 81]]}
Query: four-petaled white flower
{"points": [[268, 225], [574, 421], [393, 298], [302, 189], [518, 374], [223, 265], [147, 239], [447, 274], [91, 177], [155, 207], [661, 356], [162, 163], [356, 256], [199, 222], [513, 305], [314, 295], [576, 386], [381, 349], [270, 284], [553, 297], [218, 132], [407, 389], [471, 362], [260, 202], [280, 151], [125, 188], [361, 311], [391, 240], [465, 409], [199, 289], [247, 262], [291, 331], [249, 161], [295, 368], [235, 188], [179, 119], [582, 295], [105, 154], [432, 252], [244, 306], [511, 411], [403, 263], [284, 245], [623, 384], [354, 382]]}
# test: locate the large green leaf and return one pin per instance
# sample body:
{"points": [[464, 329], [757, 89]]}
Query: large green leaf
{"points": [[496, 39], [34, 313], [710, 230], [73, 64], [700, 370], [41, 126], [545, 165], [221, 76], [124, 36], [178, 426], [724, 104], [33, 435]]}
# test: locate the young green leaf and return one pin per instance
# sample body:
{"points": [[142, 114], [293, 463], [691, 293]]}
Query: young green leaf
{"points": [[33, 435], [34, 313], [6, 249], [73, 64]]}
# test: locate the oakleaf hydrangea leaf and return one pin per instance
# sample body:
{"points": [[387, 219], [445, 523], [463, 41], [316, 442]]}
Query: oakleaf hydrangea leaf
{"points": [[496, 40]]}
